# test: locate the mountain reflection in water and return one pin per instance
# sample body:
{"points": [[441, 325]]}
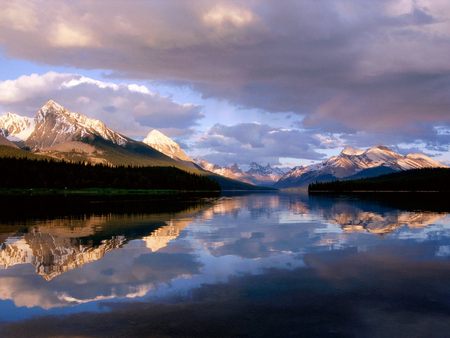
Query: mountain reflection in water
{"points": [[52, 263]]}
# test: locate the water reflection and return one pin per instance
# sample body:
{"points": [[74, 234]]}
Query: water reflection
{"points": [[55, 262], [367, 216]]}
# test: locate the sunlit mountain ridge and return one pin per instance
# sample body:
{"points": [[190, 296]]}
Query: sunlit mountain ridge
{"points": [[356, 163]]}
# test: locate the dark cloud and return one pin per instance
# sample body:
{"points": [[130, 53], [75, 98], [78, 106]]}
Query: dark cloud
{"points": [[348, 66], [248, 142]]}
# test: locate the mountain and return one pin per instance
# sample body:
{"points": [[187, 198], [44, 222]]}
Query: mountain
{"points": [[54, 125], [58, 133], [233, 171], [264, 174], [5, 142], [229, 178], [16, 127], [166, 145], [355, 163], [256, 174]]}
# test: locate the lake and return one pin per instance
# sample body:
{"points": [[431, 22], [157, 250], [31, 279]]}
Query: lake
{"points": [[271, 264]]}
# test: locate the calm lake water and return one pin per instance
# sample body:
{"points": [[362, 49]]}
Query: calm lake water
{"points": [[275, 265]]}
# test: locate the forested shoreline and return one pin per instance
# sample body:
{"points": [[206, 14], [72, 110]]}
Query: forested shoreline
{"points": [[428, 179], [48, 174]]}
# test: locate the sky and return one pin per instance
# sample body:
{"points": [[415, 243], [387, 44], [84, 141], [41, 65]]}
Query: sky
{"points": [[283, 82]]}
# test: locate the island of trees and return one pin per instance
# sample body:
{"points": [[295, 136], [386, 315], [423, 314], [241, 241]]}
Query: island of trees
{"points": [[417, 180]]}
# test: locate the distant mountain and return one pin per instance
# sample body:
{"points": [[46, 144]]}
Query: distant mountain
{"points": [[265, 174], [256, 174], [166, 145], [354, 163], [232, 171]]}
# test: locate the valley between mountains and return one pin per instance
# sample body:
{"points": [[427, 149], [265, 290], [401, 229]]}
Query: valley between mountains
{"points": [[57, 133]]}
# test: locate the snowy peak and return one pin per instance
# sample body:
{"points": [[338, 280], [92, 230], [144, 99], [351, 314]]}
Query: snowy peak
{"points": [[234, 171], [257, 169], [15, 127], [54, 125], [51, 107], [165, 145], [352, 162], [256, 174]]}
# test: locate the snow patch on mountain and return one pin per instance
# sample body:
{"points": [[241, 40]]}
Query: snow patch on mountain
{"points": [[165, 145]]}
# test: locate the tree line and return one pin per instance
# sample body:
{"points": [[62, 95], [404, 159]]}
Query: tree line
{"points": [[428, 179], [27, 174]]}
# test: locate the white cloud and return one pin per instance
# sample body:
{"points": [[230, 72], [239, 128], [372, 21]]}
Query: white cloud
{"points": [[132, 109]]}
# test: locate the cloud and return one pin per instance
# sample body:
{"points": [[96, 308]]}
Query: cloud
{"points": [[247, 142], [68, 36], [129, 108], [104, 279], [350, 66], [19, 15]]}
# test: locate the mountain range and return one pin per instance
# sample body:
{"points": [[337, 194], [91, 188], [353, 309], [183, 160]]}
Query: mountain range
{"points": [[356, 163], [56, 132], [256, 174]]}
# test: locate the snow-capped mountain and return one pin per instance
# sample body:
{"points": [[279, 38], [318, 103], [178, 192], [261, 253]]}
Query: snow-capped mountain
{"points": [[256, 174], [356, 163], [15, 127], [59, 133], [54, 125], [166, 145], [265, 174], [232, 171]]}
